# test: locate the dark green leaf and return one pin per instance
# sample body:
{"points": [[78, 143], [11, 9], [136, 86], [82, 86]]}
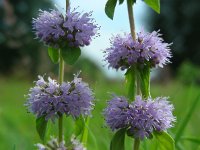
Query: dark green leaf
{"points": [[154, 4], [186, 119], [191, 139], [130, 77], [41, 126], [70, 55], [110, 8], [165, 141], [117, 142], [121, 1], [53, 54], [144, 78], [131, 2], [79, 126]]}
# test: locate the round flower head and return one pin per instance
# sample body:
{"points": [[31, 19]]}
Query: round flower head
{"points": [[146, 116], [72, 29], [116, 113], [50, 99], [147, 49], [77, 97], [141, 117]]}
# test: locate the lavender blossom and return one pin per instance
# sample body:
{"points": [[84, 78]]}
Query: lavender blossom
{"points": [[148, 49], [141, 117], [77, 98], [77, 145], [116, 113], [52, 144], [49, 99], [72, 29]]}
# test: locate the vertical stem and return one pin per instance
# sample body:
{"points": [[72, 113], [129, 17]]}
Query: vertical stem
{"points": [[131, 18], [67, 4], [132, 28], [136, 144], [61, 78]]}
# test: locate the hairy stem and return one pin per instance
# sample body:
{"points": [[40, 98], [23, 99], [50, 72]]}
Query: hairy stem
{"points": [[61, 78], [132, 28], [67, 4], [136, 144], [131, 19]]}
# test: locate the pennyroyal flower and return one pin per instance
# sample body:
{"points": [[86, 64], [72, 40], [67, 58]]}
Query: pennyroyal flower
{"points": [[140, 117], [148, 49], [53, 144], [49, 98], [116, 113], [72, 29]]}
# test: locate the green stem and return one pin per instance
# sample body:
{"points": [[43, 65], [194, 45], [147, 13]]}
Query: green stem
{"points": [[61, 78], [67, 4], [132, 28], [136, 144], [131, 19]]}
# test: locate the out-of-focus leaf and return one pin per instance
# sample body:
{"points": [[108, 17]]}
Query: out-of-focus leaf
{"points": [[131, 2], [110, 8], [191, 139], [117, 142], [121, 1], [154, 4], [41, 126], [130, 77], [186, 119], [53, 54], [165, 141], [79, 126], [70, 55]]}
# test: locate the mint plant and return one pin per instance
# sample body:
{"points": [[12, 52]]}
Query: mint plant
{"points": [[51, 100], [139, 115]]}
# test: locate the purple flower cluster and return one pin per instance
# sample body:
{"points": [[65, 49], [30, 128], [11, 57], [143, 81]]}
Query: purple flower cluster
{"points": [[53, 144], [148, 49], [50, 99], [116, 113], [141, 117], [72, 29]]}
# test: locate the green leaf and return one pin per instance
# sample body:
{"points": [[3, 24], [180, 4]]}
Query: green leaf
{"points": [[130, 77], [117, 142], [165, 141], [70, 55], [110, 8], [53, 54], [41, 126], [79, 126], [154, 4], [121, 1], [186, 119], [131, 2], [191, 139], [144, 77], [84, 137]]}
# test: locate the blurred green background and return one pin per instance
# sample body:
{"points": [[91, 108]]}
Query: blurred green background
{"points": [[22, 59]]}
